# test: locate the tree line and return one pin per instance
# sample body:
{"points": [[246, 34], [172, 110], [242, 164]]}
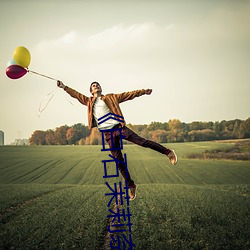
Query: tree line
{"points": [[172, 131]]}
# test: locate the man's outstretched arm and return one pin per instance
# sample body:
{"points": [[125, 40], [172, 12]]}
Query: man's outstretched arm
{"points": [[132, 94], [80, 97]]}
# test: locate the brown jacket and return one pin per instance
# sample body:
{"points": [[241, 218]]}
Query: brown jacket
{"points": [[111, 100]]}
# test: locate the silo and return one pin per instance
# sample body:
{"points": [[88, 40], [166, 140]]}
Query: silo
{"points": [[1, 138]]}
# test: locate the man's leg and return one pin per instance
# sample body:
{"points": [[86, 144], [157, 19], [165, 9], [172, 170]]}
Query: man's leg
{"points": [[118, 155], [131, 136]]}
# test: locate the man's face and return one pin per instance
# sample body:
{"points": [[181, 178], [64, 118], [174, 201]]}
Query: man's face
{"points": [[95, 88]]}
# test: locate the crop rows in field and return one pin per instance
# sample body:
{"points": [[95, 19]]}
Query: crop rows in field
{"points": [[54, 197], [82, 165], [166, 216], [192, 217], [62, 217]]}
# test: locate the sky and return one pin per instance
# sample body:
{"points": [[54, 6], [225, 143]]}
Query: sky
{"points": [[195, 55]]}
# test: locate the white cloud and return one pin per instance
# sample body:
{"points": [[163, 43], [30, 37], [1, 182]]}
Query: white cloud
{"points": [[116, 39], [119, 35], [116, 47], [69, 38]]}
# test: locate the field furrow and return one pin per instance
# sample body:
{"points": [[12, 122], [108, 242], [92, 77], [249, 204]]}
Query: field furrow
{"points": [[67, 218], [53, 197]]}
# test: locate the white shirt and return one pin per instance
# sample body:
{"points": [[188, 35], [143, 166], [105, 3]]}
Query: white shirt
{"points": [[99, 110]]}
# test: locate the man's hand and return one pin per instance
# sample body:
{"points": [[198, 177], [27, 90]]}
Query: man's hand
{"points": [[148, 91], [60, 84]]}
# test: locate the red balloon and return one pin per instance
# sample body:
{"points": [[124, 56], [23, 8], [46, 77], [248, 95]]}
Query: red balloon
{"points": [[15, 71]]}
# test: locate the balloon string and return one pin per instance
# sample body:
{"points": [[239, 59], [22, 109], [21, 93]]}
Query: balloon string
{"points": [[50, 96], [71, 103], [31, 71]]}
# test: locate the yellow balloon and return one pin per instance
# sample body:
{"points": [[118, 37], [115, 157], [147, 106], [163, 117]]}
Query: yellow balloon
{"points": [[22, 56]]}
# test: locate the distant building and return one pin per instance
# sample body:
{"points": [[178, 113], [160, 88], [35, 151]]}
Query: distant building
{"points": [[1, 138]]}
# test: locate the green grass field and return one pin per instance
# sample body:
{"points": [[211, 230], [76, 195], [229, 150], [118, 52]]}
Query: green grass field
{"points": [[53, 197]]}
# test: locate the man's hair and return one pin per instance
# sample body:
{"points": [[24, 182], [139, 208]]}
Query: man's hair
{"points": [[90, 88]]}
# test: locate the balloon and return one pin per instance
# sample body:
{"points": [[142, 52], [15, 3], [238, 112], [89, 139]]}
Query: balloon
{"points": [[22, 56], [15, 71], [11, 62]]}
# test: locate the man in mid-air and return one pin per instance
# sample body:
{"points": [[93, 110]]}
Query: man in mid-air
{"points": [[98, 106]]}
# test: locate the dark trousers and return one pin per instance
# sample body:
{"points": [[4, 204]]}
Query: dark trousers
{"points": [[131, 136]]}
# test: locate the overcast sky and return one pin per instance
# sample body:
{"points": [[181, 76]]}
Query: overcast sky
{"points": [[195, 55]]}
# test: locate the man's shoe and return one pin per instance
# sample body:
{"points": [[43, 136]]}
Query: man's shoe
{"points": [[172, 157], [132, 193]]}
